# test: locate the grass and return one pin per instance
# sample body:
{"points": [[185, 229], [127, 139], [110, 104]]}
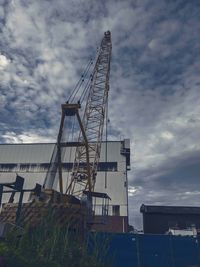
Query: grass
{"points": [[47, 245]]}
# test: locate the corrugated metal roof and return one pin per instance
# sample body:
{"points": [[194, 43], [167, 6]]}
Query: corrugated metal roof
{"points": [[169, 209]]}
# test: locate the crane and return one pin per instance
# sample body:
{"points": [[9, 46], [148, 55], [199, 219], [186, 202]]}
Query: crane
{"points": [[88, 147]]}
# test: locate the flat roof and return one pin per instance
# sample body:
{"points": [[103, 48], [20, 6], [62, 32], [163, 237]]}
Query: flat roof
{"points": [[151, 209]]}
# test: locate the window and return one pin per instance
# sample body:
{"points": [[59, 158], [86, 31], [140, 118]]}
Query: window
{"points": [[116, 210]]}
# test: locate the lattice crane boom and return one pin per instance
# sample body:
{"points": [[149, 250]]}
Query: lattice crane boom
{"points": [[93, 123]]}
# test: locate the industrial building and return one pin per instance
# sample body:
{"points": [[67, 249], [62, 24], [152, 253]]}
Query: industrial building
{"points": [[159, 219], [31, 161]]}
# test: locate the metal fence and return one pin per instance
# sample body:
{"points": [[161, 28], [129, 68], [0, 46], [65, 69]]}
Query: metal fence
{"points": [[135, 250]]}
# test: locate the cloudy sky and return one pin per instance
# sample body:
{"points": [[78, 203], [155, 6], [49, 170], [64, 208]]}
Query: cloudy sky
{"points": [[154, 85]]}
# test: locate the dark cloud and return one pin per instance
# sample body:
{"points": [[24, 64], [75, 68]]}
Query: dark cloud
{"points": [[175, 182]]}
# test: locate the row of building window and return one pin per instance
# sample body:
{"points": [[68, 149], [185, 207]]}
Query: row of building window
{"points": [[102, 166]]}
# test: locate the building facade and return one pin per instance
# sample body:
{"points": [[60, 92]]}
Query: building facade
{"points": [[31, 161]]}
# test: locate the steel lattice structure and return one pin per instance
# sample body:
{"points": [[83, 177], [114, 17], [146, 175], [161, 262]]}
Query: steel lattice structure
{"points": [[87, 157]]}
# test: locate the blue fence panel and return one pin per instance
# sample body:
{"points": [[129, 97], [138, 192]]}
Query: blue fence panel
{"points": [[123, 249], [154, 251], [185, 251], [115, 249]]}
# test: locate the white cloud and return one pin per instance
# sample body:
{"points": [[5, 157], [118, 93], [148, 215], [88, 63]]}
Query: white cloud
{"points": [[133, 190], [26, 137], [167, 135], [4, 61]]}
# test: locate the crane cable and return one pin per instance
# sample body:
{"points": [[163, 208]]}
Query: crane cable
{"points": [[90, 79], [106, 149], [80, 82], [86, 89]]}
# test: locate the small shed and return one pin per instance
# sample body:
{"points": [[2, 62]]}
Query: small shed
{"points": [[159, 219]]}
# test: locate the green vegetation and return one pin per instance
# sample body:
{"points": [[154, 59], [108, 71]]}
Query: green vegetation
{"points": [[47, 245]]}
